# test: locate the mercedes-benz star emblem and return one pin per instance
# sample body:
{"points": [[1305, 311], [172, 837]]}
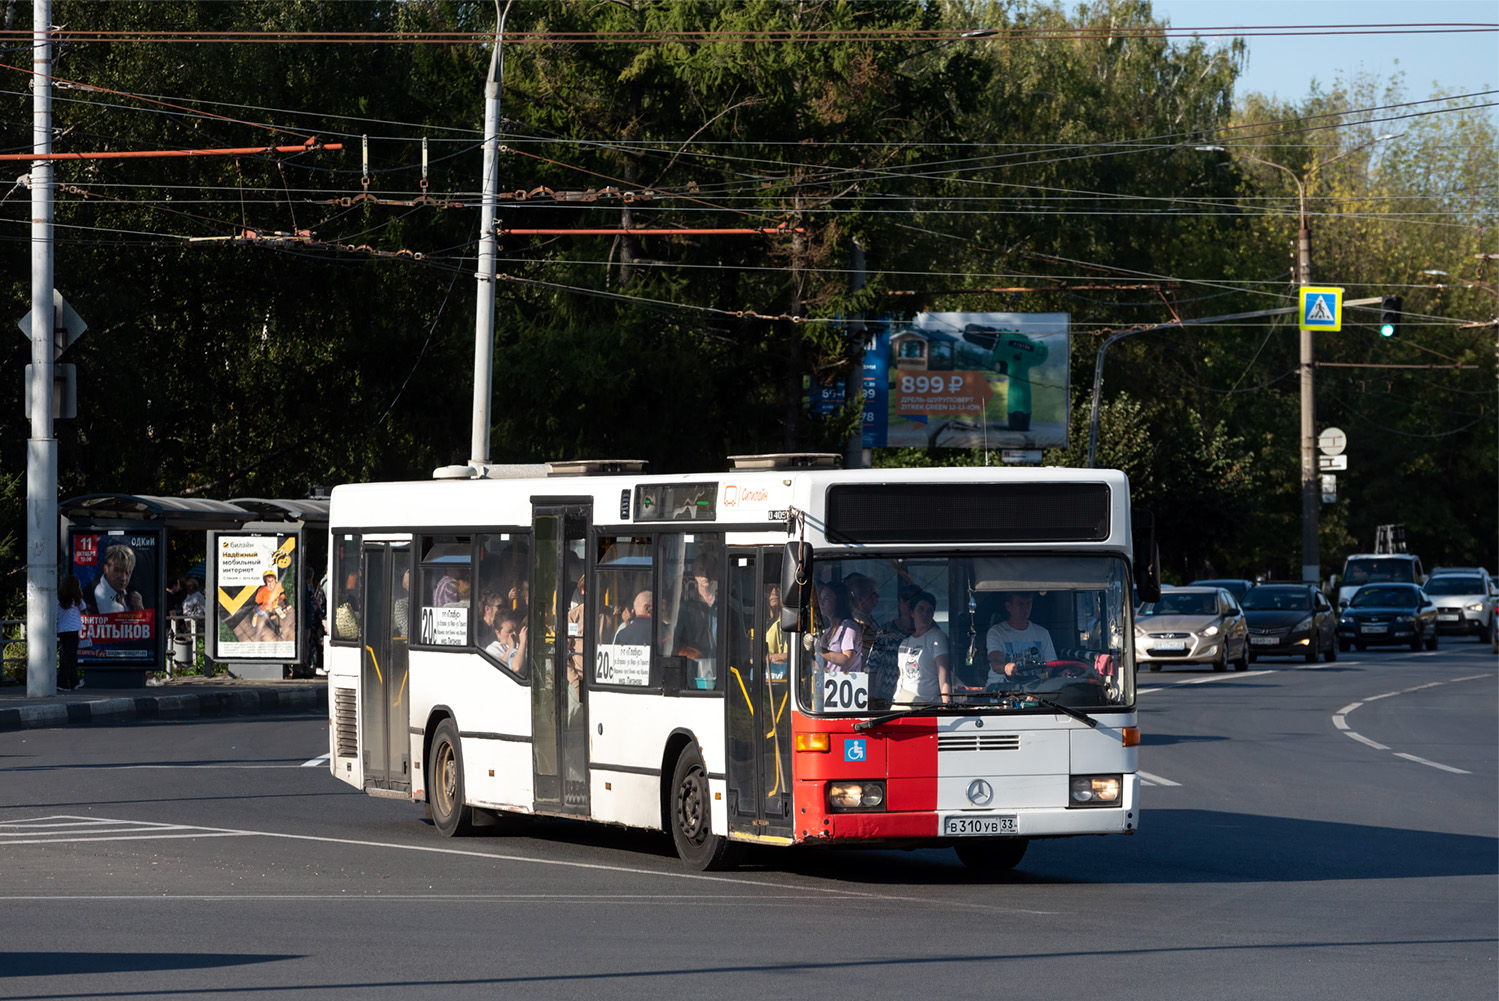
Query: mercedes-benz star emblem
{"points": [[980, 793]]}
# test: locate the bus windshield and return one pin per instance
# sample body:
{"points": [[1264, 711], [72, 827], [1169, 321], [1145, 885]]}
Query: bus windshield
{"points": [[893, 631]]}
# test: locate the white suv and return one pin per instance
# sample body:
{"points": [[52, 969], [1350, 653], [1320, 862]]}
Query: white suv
{"points": [[1464, 597]]}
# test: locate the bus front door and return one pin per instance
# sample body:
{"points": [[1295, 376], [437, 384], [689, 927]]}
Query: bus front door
{"points": [[756, 704], [383, 666], [559, 647]]}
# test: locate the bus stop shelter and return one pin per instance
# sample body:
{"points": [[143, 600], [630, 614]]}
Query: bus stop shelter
{"points": [[258, 556], [119, 548]]}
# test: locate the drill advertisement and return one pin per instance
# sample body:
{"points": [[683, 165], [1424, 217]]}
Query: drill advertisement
{"points": [[968, 380]]}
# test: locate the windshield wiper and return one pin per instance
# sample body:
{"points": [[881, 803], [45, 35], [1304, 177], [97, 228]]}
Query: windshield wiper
{"points": [[918, 709], [953, 708], [1076, 714]]}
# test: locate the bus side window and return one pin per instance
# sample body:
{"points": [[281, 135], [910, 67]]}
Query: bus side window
{"points": [[624, 611], [346, 587], [690, 606]]}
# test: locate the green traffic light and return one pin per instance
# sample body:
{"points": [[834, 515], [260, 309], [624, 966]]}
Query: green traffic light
{"points": [[1387, 330]]}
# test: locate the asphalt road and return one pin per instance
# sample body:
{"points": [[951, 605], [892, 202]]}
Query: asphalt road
{"points": [[1324, 832]]}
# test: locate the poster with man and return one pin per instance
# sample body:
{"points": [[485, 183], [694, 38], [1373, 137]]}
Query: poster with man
{"points": [[120, 572], [968, 380], [255, 595]]}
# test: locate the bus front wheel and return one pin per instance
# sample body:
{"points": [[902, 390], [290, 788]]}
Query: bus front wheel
{"points": [[691, 821], [992, 856], [450, 814]]}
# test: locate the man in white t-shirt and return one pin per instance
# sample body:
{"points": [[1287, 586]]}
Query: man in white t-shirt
{"points": [[1018, 643], [923, 657]]}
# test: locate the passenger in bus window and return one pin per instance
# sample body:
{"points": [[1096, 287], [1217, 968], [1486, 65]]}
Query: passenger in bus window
{"points": [[490, 604], [444, 592], [840, 646], [1017, 646], [925, 674], [697, 632], [637, 631], [509, 644], [902, 623], [775, 637], [879, 645]]}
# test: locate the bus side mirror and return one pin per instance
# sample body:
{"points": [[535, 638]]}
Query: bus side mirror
{"points": [[1147, 555], [796, 589]]}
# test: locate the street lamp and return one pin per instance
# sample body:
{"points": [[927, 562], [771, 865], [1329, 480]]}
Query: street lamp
{"points": [[1311, 559]]}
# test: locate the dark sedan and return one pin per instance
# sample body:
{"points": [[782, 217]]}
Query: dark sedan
{"points": [[1389, 614], [1290, 620]]}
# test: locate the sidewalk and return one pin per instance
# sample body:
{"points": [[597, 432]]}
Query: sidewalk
{"points": [[177, 697]]}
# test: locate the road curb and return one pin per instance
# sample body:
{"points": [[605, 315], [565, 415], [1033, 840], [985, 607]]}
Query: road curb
{"points": [[232, 702]]}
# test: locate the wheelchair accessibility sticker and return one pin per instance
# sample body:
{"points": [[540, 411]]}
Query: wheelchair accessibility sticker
{"points": [[853, 750]]}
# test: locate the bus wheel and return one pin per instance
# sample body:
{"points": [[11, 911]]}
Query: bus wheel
{"points": [[992, 856], [691, 823], [450, 814]]}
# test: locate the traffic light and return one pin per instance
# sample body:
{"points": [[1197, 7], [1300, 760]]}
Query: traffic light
{"points": [[1389, 315]]}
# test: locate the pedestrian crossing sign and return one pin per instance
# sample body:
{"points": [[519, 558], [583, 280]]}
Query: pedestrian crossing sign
{"points": [[1321, 308]]}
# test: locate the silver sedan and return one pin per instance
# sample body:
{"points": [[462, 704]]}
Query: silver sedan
{"points": [[1192, 625]]}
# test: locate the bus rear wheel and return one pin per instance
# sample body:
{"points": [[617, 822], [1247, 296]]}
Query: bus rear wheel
{"points": [[992, 856], [691, 817], [450, 814]]}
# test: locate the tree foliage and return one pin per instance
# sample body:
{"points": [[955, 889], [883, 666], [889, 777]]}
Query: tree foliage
{"points": [[1019, 155]]}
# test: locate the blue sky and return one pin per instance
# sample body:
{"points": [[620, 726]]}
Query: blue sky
{"points": [[1464, 63]]}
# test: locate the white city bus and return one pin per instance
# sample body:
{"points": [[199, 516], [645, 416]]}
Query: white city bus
{"points": [[602, 644]]}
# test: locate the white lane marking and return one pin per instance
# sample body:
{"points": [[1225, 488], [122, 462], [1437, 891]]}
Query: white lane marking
{"points": [[49, 830], [1434, 764], [224, 832], [1155, 780], [1201, 681], [1340, 721], [1223, 677], [315, 762]]}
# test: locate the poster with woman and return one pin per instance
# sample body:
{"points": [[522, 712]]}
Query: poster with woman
{"points": [[254, 590], [120, 571]]}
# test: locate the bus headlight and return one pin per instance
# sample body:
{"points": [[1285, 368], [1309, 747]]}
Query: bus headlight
{"points": [[1096, 790], [856, 795]]}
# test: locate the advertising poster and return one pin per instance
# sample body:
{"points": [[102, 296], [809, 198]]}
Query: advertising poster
{"points": [[120, 572], [969, 380], [256, 596]]}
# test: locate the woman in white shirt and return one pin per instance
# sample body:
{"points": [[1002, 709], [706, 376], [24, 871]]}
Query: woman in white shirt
{"points": [[924, 658]]}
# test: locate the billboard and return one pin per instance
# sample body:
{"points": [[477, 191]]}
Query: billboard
{"points": [[120, 572], [968, 380], [255, 584]]}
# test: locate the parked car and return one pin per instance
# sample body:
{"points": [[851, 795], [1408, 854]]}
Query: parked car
{"points": [[1290, 620], [1376, 568], [1385, 614], [1192, 625], [1236, 586], [1464, 600]]}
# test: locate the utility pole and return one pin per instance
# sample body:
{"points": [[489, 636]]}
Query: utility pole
{"points": [[1311, 558], [41, 448], [488, 252]]}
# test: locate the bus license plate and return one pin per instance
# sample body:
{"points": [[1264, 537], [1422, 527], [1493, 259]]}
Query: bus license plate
{"points": [[968, 826]]}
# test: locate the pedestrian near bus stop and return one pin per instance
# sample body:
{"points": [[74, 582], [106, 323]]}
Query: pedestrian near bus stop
{"points": [[70, 609]]}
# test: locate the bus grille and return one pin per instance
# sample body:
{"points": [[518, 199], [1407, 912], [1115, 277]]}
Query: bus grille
{"points": [[345, 723], [978, 742]]}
